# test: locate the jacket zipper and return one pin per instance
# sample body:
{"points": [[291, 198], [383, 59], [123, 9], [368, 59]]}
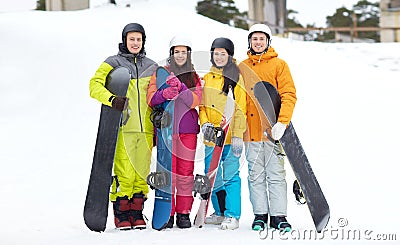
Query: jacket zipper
{"points": [[138, 92]]}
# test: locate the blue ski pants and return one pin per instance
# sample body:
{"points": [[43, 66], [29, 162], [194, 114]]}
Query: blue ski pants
{"points": [[228, 179]]}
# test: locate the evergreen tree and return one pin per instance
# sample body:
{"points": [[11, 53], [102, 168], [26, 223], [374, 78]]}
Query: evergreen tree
{"points": [[41, 5], [367, 16], [366, 13], [223, 11], [341, 18], [291, 21]]}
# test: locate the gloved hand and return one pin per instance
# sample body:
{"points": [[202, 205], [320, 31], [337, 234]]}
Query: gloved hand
{"points": [[278, 130], [173, 81], [170, 93], [208, 131], [237, 146], [119, 103]]}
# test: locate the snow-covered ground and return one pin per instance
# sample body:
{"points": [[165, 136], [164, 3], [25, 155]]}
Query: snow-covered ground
{"points": [[346, 117]]}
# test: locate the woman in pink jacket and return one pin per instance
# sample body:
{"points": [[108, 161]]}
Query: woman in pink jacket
{"points": [[185, 89]]}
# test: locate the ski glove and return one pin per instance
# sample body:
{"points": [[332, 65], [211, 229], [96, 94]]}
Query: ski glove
{"points": [[119, 103], [237, 146], [170, 93], [173, 81], [278, 130], [208, 131]]}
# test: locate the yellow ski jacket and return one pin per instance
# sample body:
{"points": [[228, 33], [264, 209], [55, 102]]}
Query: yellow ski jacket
{"points": [[213, 102]]}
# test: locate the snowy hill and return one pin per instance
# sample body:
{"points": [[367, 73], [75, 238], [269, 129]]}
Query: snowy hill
{"points": [[346, 117]]}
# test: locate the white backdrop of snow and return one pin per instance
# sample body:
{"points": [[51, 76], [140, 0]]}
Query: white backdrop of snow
{"points": [[346, 118]]}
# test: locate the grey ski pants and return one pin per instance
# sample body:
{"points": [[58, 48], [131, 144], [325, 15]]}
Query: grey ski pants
{"points": [[266, 178]]}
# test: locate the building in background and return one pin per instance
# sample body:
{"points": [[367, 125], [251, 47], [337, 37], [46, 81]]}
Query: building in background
{"points": [[270, 12], [390, 17], [66, 5]]}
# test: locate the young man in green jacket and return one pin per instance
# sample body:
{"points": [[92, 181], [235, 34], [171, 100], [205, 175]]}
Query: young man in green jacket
{"points": [[135, 139]]}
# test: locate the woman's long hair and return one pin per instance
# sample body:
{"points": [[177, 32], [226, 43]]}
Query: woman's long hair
{"points": [[231, 74]]}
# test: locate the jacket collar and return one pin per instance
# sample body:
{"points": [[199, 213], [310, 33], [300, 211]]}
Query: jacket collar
{"points": [[271, 53], [216, 71], [131, 56]]}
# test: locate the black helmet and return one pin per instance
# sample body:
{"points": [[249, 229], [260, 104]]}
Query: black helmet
{"points": [[132, 27], [225, 43]]}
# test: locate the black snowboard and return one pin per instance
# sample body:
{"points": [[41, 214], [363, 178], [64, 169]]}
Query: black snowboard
{"points": [[97, 198], [270, 103]]}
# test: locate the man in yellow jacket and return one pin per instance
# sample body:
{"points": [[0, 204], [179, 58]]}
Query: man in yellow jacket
{"points": [[135, 139], [266, 179]]}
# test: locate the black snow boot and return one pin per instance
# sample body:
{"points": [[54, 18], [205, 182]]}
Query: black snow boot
{"points": [[280, 223], [183, 221], [260, 222]]}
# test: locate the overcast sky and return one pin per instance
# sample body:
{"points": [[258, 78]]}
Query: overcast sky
{"points": [[12, 5]]}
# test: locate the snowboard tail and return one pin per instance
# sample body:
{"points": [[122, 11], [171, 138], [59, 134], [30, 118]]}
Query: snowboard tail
{"points": [[313, 194], [269, 100], [95, 211]]}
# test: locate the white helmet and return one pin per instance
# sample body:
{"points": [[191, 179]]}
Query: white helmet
{"points": [[180, 40], [259, 28]]}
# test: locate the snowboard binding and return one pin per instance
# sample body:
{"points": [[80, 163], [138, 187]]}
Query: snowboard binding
{"points": [[157, 180], [298, 193], [215, 135], [160, 118], [219, 136], [202, 185]]}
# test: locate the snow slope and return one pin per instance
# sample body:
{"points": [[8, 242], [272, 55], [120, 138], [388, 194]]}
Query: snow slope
{"points": [[346, 117]]}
